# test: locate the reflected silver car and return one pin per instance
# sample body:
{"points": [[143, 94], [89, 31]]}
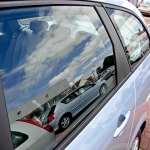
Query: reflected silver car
{"points": [[59, 115], [106, 74], [144, 7], [136, 53]]}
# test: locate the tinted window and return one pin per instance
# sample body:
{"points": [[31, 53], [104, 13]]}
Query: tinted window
{"points": [[18, 138], [68, 99], [132, 33], [87, 87], [55, 52]]}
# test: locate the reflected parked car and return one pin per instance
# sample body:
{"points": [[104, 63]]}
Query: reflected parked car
{"points": [[144, 44], [136, 53], [30, 134], [106, 74], [144, 7], [60, 114]]}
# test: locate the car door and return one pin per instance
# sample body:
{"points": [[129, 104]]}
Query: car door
{"points": [[71, 104], [74, 38], [87, 94], [140, 67]]}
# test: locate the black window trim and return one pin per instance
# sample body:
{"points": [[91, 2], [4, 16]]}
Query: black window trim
{"points": [[122, 42], [32, 3]]}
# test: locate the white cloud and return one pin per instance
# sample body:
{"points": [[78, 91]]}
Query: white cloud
{"points": [[94, 59], [43, 61], [78, 78]]}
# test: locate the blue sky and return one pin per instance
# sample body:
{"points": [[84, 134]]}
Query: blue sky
{"points": [[55, 58]]}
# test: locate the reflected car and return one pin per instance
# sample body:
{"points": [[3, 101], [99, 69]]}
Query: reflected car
{"points": [[144, 7], [30, 134], [136, 53], [106, 74], [60, 114], [144, 44]]}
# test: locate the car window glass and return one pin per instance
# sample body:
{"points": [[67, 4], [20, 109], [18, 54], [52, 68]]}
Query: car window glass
{"points": [[81, 90], [77, 93], [87, 87], [54, 55], [18, 138], [68, 99], [132, 34]]}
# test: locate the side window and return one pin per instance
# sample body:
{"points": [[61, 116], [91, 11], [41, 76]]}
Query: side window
{"points": [[55, 54], [87, 87], [18, 138], [81, 90], [132, 33], [68, 99]]}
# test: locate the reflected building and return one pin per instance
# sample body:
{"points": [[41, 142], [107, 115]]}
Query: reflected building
{"points": [[51, 95]]}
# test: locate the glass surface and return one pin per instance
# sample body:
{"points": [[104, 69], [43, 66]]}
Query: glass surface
{"points": [[18, 138], [58, 65], [132, 33]]}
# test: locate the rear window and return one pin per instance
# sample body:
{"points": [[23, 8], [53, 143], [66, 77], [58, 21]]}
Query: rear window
{"points": [[18, 138]]}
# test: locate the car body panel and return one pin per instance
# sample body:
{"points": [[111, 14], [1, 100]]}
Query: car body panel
{"points": [[102, 141], [142, 90]]}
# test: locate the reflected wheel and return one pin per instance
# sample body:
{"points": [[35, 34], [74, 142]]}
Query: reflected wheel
{"points": [[65, 121], [103, 89]]}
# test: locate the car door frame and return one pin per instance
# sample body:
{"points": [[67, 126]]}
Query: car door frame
{"points": [[121, 65], [141, 123]]}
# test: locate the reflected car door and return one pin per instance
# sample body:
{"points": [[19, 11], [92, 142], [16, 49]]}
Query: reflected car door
{"points": [[73, 105], [88, 94]]}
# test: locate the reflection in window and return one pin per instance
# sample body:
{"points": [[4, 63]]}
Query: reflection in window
{"points": [[87, 87], [132, 33], [18, 138], [68, 99], [59, 65]]}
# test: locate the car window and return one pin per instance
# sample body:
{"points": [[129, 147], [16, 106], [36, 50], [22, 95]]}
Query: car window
{"points": [[54, 55], [68, 99], [132, 34], [18, 138], [81, 90], [87, 87]]}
